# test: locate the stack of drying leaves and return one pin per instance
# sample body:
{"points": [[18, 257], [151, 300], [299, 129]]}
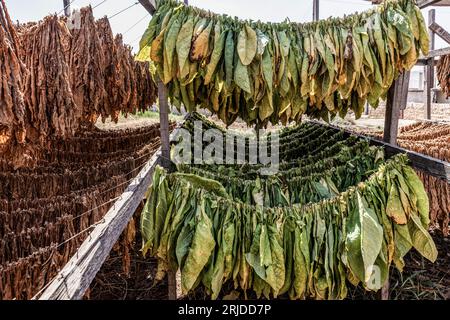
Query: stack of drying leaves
{"points": [[334, 216], [12, 105], [269, 72], [46, 211], [432, 139], [63, 75]]}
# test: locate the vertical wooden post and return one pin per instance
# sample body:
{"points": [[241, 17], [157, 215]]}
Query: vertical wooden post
{"points": [[385, 291], [316, 10], [392, 113], [396, 102], [164, 123], [165, 162], [429, 68], [172, 280], [66, 7]]}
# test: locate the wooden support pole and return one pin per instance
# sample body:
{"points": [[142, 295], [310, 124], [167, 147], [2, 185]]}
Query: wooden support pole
{"points": [[392, 114], [429, 68], [396, 102], [316, 12], [150, 6], [66, 7], [166, 162], [164, 124]]}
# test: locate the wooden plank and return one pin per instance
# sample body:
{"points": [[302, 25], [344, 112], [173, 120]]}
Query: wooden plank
{"points": [[75, 278], [431, 21], [392, 114], [164, 123], [440, 31], [385, 291], [431, 166], [426, 3], [405, 90], [316, 10], [437, 53], [429, 68], [429, 84], [166, 162], [149, 5], [66, 7]]}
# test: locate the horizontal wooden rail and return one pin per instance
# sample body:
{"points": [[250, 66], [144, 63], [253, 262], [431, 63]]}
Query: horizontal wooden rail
{"points": [[75, 278], [426, 3], [431, 166], [437, 53]]}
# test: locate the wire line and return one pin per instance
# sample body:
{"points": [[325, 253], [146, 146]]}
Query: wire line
{"points": [[134, 25], [121, 11], [98, 5]]}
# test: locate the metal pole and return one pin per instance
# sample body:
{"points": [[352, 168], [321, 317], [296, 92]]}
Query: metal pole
{"points": [[315, 10], [66, 7]]}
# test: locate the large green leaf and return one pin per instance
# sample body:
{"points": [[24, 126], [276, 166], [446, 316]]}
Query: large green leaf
{"points": [[201, 249], [247, 45], [364, 239]]}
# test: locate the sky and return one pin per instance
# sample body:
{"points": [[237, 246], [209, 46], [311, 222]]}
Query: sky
{"points": [[133, 22]]}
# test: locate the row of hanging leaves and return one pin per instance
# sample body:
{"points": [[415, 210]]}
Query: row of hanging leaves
{"points": [[271, 72]]}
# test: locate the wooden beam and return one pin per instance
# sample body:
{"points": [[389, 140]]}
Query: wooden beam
{"points": [[385, 291], [316, 10], [392, 114], [437, 53], [75, 278], [166, 162], [431, 21], [66, 4], [429, 83], [429, 68], [164, 123], [426, 3], [440, 31], [431, 166], [149, 5], [424, 62]]}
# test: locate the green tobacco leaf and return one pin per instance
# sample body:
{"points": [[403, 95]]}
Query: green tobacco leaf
{"points": [[183, 45], [424, 35], [148, 214], [247, 45], [216, 55], [394, 207], [364, 240], [417, 187], [403, 244], [421, 239], [204, 183], [201, 249], [229, 57], [242, 78]]}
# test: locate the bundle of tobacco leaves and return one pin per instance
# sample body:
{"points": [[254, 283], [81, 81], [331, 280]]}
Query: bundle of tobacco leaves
{"points": [[334, 216], [272, 72]]}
